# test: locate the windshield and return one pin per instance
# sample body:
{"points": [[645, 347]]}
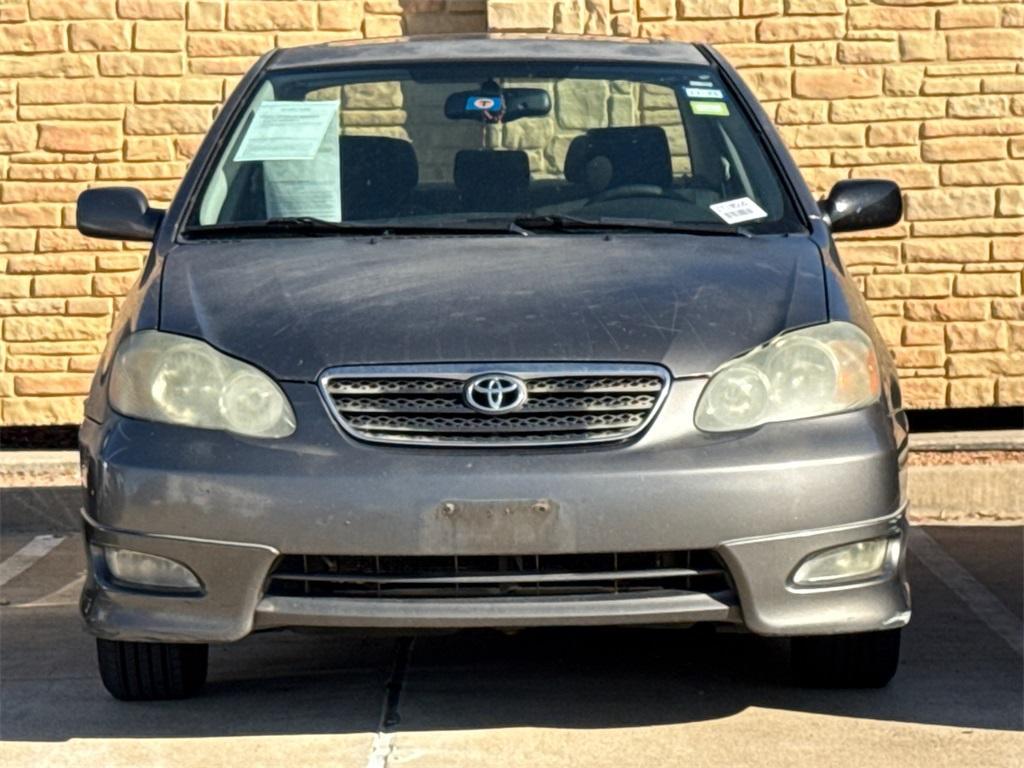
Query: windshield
{"points": [[519, 146]]}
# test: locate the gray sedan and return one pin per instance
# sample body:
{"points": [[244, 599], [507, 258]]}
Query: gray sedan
{"points": [[483, 332]]}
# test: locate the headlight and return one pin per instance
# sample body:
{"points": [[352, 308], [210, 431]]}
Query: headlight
{"points": [[178, 380], [814, 371]]}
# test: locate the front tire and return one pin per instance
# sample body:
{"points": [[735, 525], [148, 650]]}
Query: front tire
{"points": [[151, 671], [863, 660]]}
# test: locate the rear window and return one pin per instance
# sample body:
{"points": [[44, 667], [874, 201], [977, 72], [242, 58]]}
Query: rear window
{"points": [[464, 142]]}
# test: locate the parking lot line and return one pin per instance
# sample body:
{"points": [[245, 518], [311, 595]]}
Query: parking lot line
{"points": [[27, 556], [975, 595], [64, 596]]}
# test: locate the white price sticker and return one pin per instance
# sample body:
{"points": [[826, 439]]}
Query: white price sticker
{"points": [[703, 93], [287, 130], [739, 210]]}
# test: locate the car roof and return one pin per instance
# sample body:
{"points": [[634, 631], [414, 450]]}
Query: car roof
{"points": [[489, 47]]}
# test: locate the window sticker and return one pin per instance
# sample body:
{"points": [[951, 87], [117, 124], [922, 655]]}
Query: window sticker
{"points": [[483, 104], [710, 108], [307, 187], [704, 92], [702, 83], [287, 130], [739, 210]]}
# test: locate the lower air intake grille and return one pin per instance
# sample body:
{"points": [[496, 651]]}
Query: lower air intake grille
{"points": [[491, 576], [559, 404]]}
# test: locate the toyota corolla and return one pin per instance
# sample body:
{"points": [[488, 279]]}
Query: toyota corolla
{"points": [[484, 332]]}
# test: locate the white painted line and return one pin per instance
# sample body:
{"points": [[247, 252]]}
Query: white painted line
{"points": [[27, 556], [975, 595], [66, 595]]}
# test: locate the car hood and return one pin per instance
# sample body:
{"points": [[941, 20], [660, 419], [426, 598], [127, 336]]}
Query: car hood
{"points": [[295, 306]]}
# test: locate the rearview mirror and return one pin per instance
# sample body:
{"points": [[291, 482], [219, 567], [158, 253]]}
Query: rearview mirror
{"points": [[117, 213], [855, 204], [502, 106]]}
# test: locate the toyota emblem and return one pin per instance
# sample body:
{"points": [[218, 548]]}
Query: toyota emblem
{"points": [[494, 393]]}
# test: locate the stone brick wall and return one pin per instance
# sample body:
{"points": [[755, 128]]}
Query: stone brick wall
{"points": [[927, 92]]}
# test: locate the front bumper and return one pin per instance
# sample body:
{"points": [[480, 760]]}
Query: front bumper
{"points": [[228, 507]]}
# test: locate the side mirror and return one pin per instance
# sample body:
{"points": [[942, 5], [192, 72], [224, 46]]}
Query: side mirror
{"points": [[117, 213], [855, 204]]}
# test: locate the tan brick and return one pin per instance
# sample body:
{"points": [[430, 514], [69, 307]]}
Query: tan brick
{"points": [[155, 120], [16, 137], [958, 250], [708, 9], [985, 44], [112, 284], [29, 216], [802, 112], [139, 148], [919, 357], [1010, 201], [1008, 309], [218, 46], [1010, 391], [99, 36], [89, 305], [914, 176], [151, 9], [976, 337], [955, 149], [74, 91], [86, 364], [66, 384], [967, 393], [962, 17], [40, 364], [755, 55], [208, 15], [118, 262], [827, 136], [934, 129], [924, 392], [948, 203], [63, 10], [855, 254], [891, 286], [1008, 249], [159, 36], [27, 411], [947, 310], [985, 364], [867, 51], [893, 134], [872, 110], [270, 16], [994, 284], [793, 29], [768, 84], [61, 285], [152, 64], [875, 18], [31, 307], [903, 81], [77, 137], [15, 287], [17, 241], [875, 156], [31, 38], [345, 15], [923, 334], [655, 9], [845, 82], [984, 173], [974, 106], [921, 46], [37, 329]]}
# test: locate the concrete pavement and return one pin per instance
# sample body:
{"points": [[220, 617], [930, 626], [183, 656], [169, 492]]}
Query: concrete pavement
{"points": [[540, 698]]}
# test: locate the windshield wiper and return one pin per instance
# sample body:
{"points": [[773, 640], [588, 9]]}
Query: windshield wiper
{"points": [[304, 226], [559, 222]]}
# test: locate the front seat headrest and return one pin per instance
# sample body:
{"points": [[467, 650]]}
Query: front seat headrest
{"points": [[377, 175], [620, 156], [492, 179]]}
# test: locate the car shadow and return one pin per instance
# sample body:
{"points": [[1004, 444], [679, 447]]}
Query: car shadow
{"points": [[954, 673]]}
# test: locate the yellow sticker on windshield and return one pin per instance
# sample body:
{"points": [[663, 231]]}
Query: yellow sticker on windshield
{"points": [[712, 108]]}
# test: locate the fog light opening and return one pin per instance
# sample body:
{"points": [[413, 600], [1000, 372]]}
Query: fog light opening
{"points": [[860, 561], [139, 569]]}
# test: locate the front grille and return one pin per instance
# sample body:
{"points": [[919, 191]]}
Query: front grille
{"points": [[420, 405], [499, 576]]}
